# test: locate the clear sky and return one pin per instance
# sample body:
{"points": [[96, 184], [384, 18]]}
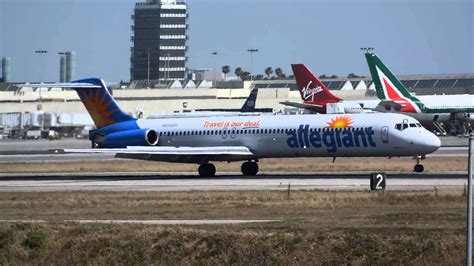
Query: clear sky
{"points": [[411, 36]]}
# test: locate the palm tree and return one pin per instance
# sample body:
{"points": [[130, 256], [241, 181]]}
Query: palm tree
{"points": [[238, 71], [279, 73], [268, 71], [245, 75], [225, 71]]}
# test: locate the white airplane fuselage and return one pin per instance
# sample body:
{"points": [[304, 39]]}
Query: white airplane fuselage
{"points": [[300, 135]]}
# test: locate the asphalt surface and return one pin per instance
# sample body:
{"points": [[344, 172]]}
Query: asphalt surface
{"points": [[224, 182]]}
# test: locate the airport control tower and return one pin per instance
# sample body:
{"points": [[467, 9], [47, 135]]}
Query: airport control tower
{"points": [[159, 40]]}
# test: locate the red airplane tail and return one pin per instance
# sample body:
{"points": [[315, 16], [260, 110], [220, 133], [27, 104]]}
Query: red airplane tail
{"points": [[312, 90]]}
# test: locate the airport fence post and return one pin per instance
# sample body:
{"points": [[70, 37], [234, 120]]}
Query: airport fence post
{"points": [[469, 207]]}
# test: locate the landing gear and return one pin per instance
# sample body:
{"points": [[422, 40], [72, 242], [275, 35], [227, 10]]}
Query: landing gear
{"points": [[207, 170], [418, 167], [249, 168]]}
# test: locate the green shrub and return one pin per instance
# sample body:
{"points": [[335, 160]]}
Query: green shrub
{"points": [[35, 239]]}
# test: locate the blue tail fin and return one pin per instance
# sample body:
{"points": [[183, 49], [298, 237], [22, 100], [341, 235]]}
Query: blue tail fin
{"points": [[100, 104], [249, 105]]}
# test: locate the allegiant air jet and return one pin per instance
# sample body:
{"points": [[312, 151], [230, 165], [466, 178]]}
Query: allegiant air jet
{"points": [[203, 140], [317, 97], [427, 109]]}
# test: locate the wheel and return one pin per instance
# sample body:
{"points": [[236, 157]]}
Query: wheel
{"points": [[207, 170], [419, 168], [249, 168]]}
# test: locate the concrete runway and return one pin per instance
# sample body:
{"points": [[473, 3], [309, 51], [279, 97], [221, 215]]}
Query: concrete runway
{"points": [[224, 182]]}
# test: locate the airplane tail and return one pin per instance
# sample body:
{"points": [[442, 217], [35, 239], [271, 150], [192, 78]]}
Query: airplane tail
{"points": [[99, 102], [249, 105], [387, 86], [312, 90]]}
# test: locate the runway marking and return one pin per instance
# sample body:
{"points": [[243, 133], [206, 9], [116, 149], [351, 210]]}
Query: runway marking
{"points": [[169, 222], [149, 222], [23, 221]]}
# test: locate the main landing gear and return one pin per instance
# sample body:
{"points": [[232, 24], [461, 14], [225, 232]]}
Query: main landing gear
{"points": [[209, 170], [249, 168], [418, 167]]}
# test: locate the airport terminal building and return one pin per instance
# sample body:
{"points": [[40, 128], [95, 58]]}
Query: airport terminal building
{"points": [[159, 40]]}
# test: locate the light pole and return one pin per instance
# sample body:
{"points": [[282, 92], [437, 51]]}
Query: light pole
{"points": [[39, 53], [214, 65], [469, 205], [251, 51], [148, 68]]}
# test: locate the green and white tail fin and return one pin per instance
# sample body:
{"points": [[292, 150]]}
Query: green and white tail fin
{"points": [[388, 87]]}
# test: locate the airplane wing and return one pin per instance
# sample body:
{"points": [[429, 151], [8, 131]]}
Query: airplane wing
{"points": [[176, 154], [388, 105], [309, 106]]}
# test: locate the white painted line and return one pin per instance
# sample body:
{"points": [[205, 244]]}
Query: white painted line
{"points": [[169, 222]]}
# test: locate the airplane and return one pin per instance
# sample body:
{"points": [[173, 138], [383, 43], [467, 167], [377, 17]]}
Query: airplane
{"points": [[318, 98], [203, 140], [429, 110], [248, 108]]}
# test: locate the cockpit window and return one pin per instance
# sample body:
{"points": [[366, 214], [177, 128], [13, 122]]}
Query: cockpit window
{"points": [[403, 126]]}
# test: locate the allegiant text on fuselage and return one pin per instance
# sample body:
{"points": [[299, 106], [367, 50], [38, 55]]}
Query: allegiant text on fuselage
{"points": [[332, 138]]}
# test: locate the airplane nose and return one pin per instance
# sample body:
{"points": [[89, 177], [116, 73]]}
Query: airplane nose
{"points": [[431, 142]]}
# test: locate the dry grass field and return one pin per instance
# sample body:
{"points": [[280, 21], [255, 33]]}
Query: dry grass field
{"points": [[314, 227], [268, 165]]}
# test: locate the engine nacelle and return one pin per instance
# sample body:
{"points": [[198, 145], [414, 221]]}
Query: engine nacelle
{"points": [[135, 137]]}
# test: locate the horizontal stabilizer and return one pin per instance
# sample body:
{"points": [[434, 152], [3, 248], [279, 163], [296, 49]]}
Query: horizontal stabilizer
{"points": [[63, 85], [308, 106], [388, 105]]}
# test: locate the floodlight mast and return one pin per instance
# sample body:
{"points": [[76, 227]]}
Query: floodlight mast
{"points": [[367, 49], [251, 51]]}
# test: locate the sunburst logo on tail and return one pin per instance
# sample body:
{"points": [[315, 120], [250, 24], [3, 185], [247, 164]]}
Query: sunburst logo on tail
{"points": [[99, 107], [340, 122]]}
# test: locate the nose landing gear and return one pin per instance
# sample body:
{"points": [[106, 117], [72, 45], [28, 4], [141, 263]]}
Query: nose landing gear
{"points": [[249, 168], [419, 167]]}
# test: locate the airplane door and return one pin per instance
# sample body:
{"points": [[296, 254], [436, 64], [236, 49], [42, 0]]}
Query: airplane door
{"points": [[224, 133], [232, 133], [384, 134]]}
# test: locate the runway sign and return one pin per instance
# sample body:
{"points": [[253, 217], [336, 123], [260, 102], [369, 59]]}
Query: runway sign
{"points": [[377, 181]]}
